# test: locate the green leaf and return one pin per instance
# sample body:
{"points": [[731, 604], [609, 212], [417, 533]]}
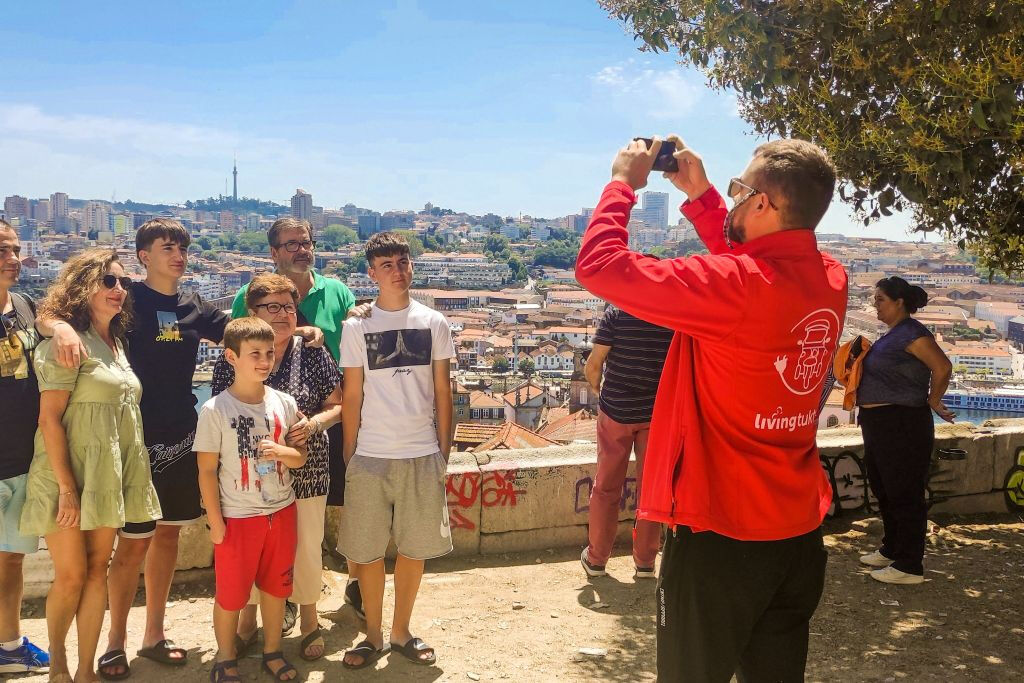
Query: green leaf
{"points": [[978, 114]]}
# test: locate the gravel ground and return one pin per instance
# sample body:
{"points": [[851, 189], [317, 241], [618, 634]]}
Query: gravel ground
{"points": [[535, 616]]}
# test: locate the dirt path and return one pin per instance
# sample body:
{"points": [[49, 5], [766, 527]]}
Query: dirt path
{"points": [[526, 617]]}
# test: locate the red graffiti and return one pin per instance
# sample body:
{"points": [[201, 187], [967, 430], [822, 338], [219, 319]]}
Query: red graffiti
{"points": [[499, 489], [494, 489], [464, 487], [457, 520]]}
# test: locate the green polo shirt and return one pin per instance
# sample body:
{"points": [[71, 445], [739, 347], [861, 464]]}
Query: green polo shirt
{"points": [[326, 307]]}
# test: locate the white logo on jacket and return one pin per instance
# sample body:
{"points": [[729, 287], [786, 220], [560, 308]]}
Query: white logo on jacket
{"points": [[818, 335]]}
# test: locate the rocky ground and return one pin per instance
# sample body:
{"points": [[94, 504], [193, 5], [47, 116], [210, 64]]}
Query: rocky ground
{"points": [[536, 617]]}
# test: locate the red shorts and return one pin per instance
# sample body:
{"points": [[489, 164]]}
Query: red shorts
{"points": [[257, 549]]}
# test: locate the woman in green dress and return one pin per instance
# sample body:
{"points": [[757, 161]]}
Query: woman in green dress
{"points": [[90, 472]]}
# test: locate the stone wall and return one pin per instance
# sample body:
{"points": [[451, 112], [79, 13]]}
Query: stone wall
{"points": [[511, 501]]}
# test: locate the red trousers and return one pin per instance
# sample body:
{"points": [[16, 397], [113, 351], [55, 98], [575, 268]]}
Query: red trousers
{"points": [[615, 442]]}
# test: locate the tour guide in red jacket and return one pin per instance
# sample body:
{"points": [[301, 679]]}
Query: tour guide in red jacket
{"points": [[732, 466]]}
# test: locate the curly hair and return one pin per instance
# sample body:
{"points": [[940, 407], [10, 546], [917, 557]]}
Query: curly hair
{"points": [[67, 298]]}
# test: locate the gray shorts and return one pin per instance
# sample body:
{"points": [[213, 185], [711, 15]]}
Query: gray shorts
{"points": [[389, 498]]}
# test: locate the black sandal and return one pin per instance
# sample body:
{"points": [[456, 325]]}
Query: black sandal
{"points": [[219, 672], [413, 649], [368, 652], [161, 652], [285, 668], [308, 640], [111, 659]]}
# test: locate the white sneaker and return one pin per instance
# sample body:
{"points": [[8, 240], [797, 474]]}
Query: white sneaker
{"points": [[875, 559], [645, 573], [893, 575], [592, 570]]}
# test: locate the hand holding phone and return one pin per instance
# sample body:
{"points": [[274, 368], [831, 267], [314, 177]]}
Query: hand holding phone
{"points": [[664, 162]]}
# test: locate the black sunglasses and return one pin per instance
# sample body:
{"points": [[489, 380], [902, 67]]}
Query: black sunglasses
{"points": [[736, 186], [110, 281]]}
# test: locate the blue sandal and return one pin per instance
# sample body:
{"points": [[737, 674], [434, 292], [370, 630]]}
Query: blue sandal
{"points": [[285, 668], [219, 672]]}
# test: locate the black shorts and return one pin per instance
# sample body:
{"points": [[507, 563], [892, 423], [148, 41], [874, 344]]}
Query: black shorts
{"points": [[175, 478]]}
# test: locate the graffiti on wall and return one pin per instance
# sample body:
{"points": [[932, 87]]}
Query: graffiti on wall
{"points": [[585, 485], [1013, 485], [495, 488], [851, 492]]}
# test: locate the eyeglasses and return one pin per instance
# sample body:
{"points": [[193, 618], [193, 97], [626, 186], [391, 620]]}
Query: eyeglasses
{"points": [[111, 281], [736, 186], [292, 246], [274, 309]]}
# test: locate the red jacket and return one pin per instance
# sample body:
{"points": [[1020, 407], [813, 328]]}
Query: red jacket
{"points": [[732, 444]]}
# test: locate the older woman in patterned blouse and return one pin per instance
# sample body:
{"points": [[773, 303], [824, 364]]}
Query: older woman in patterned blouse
{"points": [[312, 378]]}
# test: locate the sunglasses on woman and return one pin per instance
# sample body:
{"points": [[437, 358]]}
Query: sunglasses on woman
{"points": [[111, 281]]}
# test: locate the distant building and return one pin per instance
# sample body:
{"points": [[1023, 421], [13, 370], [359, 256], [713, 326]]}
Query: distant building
{"points": [[16, 207], [59, 212], [653, 209], [95, 217], [368, 225], [302, 205], [41, 211], [464, 271]]}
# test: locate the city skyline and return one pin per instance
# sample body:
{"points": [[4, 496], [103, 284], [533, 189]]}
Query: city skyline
{"points": [[511, 110]]}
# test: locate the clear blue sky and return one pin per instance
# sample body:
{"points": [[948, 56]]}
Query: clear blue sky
{"points": [[476, 105]]}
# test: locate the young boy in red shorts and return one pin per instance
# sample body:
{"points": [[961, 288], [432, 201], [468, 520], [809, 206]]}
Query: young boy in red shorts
{"points": [[245, 478]]}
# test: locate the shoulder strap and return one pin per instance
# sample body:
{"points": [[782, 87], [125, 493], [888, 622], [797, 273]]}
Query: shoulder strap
{"points": [[24, 307]]}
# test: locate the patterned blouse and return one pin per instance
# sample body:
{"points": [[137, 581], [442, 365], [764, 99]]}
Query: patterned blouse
{"points": [[309, 375]]}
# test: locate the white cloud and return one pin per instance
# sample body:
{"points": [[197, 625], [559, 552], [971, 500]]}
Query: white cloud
{"points": [[652, 93]]}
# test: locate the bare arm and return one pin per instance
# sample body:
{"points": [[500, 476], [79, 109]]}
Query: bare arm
{"points": [[292, 457], [52, 404], [70, 349], [351, 410], [209, 487], [928, 352], [443, 404], [595, 365]]}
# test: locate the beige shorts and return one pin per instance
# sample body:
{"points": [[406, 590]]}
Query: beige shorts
{"points": [[395, 498], [310, 515]]}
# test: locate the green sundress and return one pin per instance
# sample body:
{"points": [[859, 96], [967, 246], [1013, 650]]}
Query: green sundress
{"points": [[105, 443]]}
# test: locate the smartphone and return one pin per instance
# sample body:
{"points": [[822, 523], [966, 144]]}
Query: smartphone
{"points": [[664, 162]]}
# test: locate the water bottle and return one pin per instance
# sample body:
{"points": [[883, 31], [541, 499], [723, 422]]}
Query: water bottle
{"points": [[267, 470]]}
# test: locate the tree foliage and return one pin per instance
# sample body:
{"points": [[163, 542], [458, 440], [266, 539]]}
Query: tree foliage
{"points": [[557, 253], [416, 247], [527, 367], [252, 242], [500, 364], [336, 235], [920, 103], [243, 205]]}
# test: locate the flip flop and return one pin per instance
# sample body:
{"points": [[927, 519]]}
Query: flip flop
{"points": [[310, 639], [161, 652], [242, 646], [413, 649], [111, 659], [368, 652], [285, 668]]}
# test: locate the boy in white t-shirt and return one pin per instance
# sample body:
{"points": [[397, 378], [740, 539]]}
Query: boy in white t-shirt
{"points": [[246, 483], [396, 415]]}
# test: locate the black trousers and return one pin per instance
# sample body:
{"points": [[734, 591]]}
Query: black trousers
{"points": [[898, 442], [737, 607]]}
